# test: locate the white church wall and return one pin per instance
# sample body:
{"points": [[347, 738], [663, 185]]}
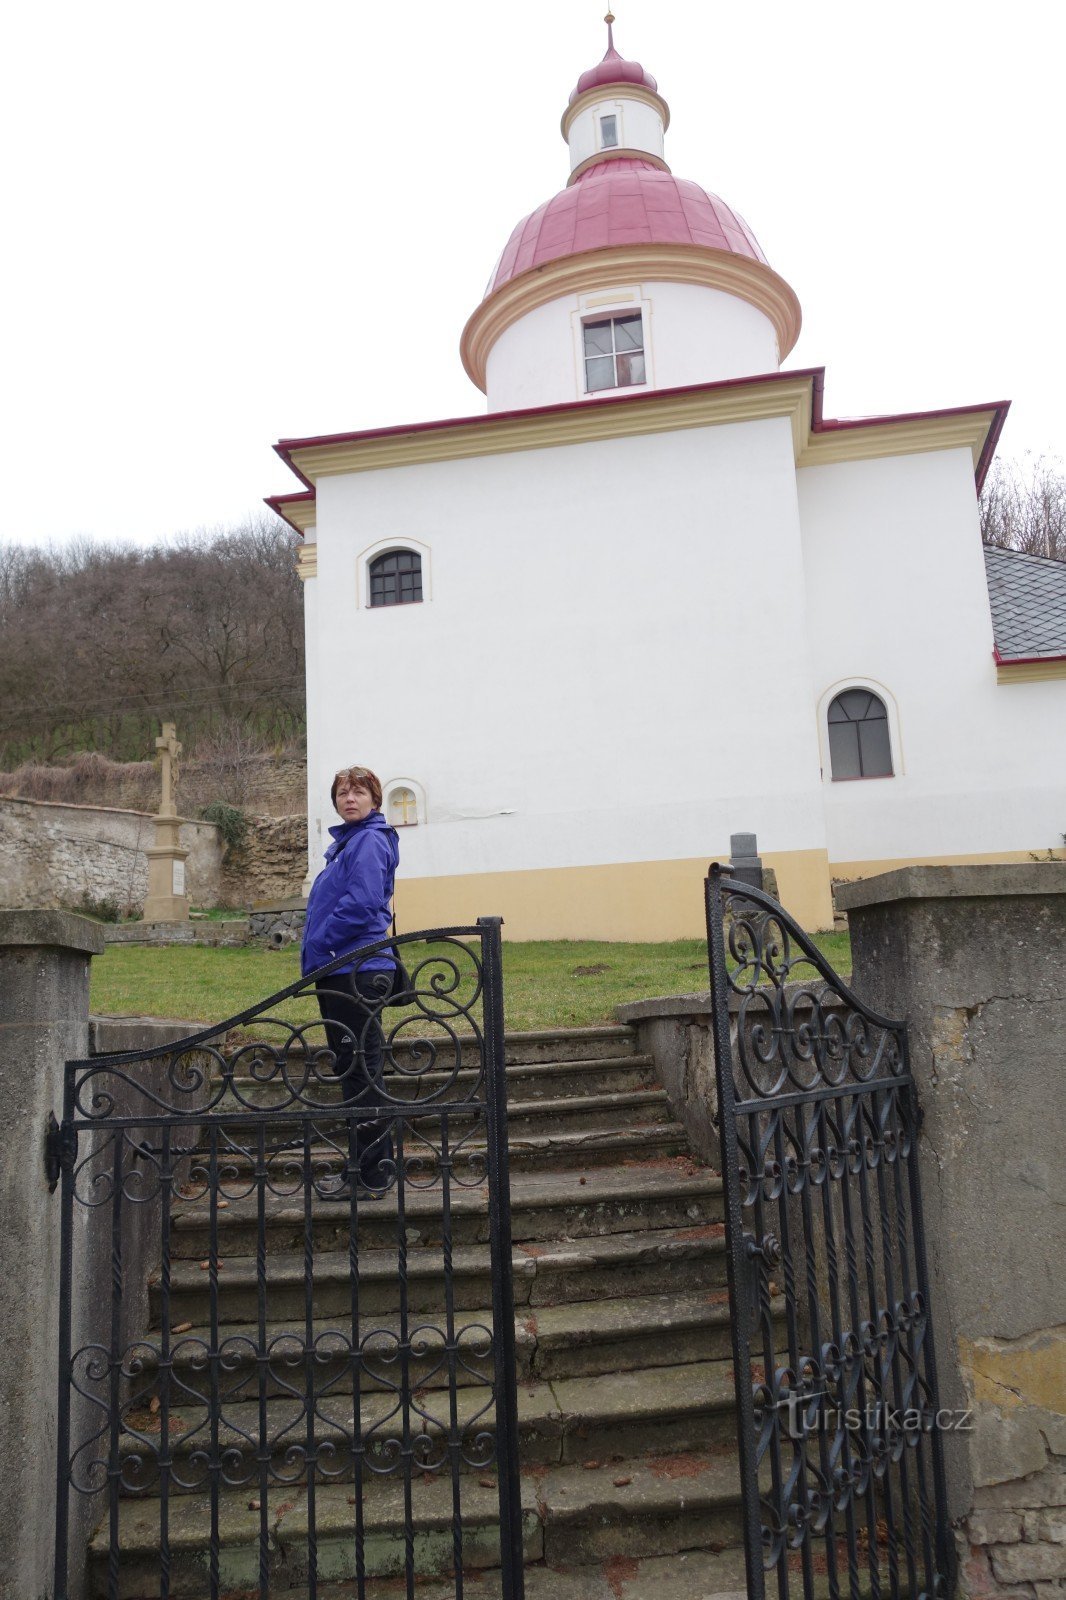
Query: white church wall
{"points": [[897, 596], [315, 711], [593, 681], [692, 335]]}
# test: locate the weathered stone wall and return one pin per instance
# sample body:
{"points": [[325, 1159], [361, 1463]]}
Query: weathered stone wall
{"points": [[270, 865], [54, 855], [975, 958]]}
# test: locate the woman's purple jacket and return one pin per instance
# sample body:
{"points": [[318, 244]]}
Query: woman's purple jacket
{"points": [[350, 900]]}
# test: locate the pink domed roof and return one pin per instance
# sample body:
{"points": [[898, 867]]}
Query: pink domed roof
{"points": [[613, 69], [623, 202]]}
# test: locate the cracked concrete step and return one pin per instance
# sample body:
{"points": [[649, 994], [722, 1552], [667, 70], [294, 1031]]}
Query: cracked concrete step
{"points": [[569, 1420], [576, 1340], [544, 1205], [542, 1080], [654, 1142], [664, 1505], [544, 1274], [577, 1113]]}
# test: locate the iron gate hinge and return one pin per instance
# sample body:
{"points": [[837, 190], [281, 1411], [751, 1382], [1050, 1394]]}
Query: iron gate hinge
{"points": [[60, 1150]]}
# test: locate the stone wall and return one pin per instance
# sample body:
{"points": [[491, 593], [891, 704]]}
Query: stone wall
{"points": [[270, 865], [975, 958], [54, 855]]}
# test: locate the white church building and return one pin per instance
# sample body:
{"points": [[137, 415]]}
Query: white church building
{"points": [[652, 595]]}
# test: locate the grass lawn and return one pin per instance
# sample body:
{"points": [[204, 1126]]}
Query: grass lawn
{"points": [[549, 984]]}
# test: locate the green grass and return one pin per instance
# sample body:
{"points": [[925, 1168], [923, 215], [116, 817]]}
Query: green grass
{"points": [[546, 984]]}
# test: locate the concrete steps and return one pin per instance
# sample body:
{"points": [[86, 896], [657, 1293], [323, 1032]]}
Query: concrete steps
{"points": [[630, 1485]]}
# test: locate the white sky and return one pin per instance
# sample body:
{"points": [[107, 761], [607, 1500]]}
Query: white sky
{"points": [[228, 222]]}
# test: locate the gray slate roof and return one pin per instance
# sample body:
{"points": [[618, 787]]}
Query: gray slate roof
{"points": [[1028, 599]]}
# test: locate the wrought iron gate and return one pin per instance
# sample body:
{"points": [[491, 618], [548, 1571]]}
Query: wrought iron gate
{"points": [[300, 1367], [841, 1454]]}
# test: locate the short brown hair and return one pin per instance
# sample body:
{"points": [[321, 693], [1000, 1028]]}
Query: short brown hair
{"points": [[357, 778]]}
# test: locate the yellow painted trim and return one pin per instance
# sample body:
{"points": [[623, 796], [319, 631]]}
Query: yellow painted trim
{"points": [[1030, 1371], [613, 91], [748, 280], [301, 513], [849, 870], [640, 900], [657, 412], [307, 561], [616, 153], [905, 437], [1029, 671]]}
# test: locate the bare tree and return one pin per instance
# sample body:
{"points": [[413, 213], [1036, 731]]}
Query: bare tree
{"points": [[98, 643], [1023, 506]]}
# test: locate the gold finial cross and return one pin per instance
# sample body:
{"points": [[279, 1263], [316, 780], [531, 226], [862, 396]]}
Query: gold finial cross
{"points": [[609, 19]]}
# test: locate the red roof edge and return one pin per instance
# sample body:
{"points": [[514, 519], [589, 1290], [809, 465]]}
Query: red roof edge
{"points": [[285, 448], [1022, 661], [276, 501]]}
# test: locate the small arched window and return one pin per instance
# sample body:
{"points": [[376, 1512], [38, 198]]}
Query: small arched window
{"points": [[859, 745], [396, 578]]}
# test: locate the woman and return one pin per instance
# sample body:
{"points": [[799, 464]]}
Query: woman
{"points": [[350, 905]]}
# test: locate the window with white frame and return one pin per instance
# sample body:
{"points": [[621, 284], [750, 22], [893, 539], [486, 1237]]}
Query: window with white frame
{"points": [[859, 742], [395, 578], [614, 352]]}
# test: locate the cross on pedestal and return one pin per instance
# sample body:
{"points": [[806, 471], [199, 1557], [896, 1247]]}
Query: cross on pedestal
{"points": [[169, 750], [166, 900]]}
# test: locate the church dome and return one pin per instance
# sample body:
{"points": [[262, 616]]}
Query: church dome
{"points": [[623, 202], [613, 69]]}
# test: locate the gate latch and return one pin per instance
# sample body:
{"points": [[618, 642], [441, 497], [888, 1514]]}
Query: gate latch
{"points": [[60, 1150]]}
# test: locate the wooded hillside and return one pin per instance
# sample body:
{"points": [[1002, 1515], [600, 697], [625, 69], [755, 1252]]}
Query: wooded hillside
{"points": [[100, 643]]}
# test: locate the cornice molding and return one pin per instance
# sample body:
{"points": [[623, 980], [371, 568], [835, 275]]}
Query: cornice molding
{"points": [[870, 441], [1030, 671], [619, 153], [748, 280], [298, 510], [307, 561], [658, 412], [613, 91]]}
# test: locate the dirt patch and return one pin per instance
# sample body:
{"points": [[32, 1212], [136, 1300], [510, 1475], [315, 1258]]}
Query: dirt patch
{"points": [[589, 972], [707, 1230], [619, 1571]]}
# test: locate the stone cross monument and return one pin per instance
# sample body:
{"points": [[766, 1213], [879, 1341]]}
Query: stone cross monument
{"points": [[167, 900]]}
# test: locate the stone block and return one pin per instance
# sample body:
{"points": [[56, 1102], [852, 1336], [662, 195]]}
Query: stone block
{"points": [[1047, 1488], [1051, 1525], [1049, 1591], [1028, 1563], [994, 1527], [1006, 1445]]}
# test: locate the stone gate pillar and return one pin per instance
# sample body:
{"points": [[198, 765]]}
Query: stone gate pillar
{"points": [[975, 959], [44, 1012]]}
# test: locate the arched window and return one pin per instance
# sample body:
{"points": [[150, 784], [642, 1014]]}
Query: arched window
{"points": [[396, 578], [859, 745]]}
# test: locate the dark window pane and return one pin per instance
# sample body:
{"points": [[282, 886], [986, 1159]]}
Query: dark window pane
{"points": [[598, 339], [396, 578], [609, 131], [874, 748], [629, 333], [600, 371], [859, 745], [844, 750]]}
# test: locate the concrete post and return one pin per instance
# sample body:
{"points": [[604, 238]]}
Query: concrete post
{"points": [[975, 959], [44, 1012]]}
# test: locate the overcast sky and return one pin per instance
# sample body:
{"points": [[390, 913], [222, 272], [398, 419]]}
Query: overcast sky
{"points": [[229, 222]]}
